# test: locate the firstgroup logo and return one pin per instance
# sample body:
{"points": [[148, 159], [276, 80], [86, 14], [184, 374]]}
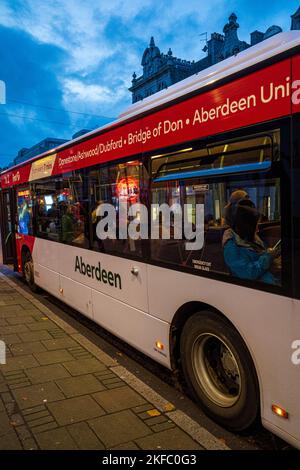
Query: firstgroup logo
{"points": [[2, 92]]}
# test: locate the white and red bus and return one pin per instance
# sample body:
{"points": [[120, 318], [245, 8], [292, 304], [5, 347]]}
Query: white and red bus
{"points": [[234, 331]]}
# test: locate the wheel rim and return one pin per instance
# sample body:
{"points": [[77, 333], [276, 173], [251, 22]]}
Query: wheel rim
{"points": [[28, 271], [216, 370]]}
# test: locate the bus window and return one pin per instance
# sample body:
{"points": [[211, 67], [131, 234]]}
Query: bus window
{"points": [[167, 248], [254, 153], [62, 209], [113, 185], [47, 213], [24, 205], [240, 245], [240, 250], [73, 206]]}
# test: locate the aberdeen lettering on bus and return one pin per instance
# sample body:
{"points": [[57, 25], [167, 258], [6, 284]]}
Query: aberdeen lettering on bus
{"points": [[229, 107], [96, 272]]}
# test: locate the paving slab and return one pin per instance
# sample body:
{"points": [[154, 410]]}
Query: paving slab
{"points": [[84, 366], [11, 310], [119, 399], [126, 446], [5, 424], [171, 439], [46, 373], [35, 336], [80, 385], [56, 439], [75, 409], [84, 437], [19, 349], [118, 428], [53, 357], [42, 325], [60, 343], [20, 320], [18, 363], [10, 441], [34, 395], [10, 339], [11, 329]]}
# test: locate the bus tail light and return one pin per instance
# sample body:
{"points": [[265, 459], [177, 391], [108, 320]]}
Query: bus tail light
{"points": [[280, 411]]}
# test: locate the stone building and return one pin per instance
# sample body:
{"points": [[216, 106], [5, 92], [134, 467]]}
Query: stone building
{"points": [[43, 146], [163, 70], [296, 20]]}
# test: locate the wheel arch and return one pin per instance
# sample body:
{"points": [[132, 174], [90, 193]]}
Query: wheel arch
{"points": [[24, 251], [183, 313]]}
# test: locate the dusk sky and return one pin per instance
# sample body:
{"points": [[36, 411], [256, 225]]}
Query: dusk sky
{"points": [[71, 55]]}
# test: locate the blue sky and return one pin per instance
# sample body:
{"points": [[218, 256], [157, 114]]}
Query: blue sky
{"points": [[71, 55]]}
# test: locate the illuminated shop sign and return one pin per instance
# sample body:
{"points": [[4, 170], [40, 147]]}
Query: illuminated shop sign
{"points": [[128, 189]]}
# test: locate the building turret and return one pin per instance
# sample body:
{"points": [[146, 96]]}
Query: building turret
{"points": [[296, 20], [232, 44]]}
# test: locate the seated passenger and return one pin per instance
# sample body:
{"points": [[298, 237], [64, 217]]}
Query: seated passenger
{"points": [[24, 219], [67, 224], [244, 252], [236, 196]]}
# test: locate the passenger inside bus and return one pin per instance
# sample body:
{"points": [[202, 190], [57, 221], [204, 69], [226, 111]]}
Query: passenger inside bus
{"points": [[67, 224], [24, 218], [235, 197], [244, 252]]}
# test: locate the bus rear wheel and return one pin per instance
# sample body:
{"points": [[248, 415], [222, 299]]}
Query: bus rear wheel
{"points": [[28, 272], [219, 371]]}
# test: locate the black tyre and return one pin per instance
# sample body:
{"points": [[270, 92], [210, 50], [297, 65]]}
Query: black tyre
{"points": [[28, 272], [219, 370]]}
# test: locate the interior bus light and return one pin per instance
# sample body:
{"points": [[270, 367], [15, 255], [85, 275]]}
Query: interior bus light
{"points": [[172, 153], [280, 411], [159, 345], [185, 150]]}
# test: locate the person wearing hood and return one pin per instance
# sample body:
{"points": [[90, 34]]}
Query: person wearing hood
{"points": [[244, 252]]}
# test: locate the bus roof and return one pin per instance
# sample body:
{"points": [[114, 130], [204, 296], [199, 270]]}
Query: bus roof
{"points": [[252, 56]]}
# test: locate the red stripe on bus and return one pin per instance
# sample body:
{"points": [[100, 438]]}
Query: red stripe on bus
{"points": [[257, 97]]}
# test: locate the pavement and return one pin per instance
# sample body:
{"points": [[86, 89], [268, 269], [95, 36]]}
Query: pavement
{"points": [[58, 390]]}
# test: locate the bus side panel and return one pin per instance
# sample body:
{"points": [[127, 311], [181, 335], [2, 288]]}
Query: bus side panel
{"points": [[110, 275], [23, 241], [253, 313], [45, 258], [134, 326], [76, 295], [46, 253], [121, 307]]}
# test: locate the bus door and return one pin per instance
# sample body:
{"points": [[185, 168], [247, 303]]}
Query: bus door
{"points": [[7, 210]]}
